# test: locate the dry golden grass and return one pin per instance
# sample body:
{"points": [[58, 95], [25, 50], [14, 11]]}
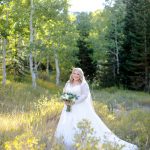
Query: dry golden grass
{"points": [[32, 117]]}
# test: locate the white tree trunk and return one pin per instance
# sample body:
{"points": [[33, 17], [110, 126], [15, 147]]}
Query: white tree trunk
{"points": [[36, 64], [4, 62], [57, 67], [31, 44]]}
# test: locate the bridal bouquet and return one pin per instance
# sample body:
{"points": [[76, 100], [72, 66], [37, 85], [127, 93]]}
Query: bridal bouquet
{"points": [[70, 99]]}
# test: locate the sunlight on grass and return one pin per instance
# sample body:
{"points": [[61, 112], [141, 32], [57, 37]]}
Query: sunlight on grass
{"points": [[48, 85], [9, 123], [19, 96], [103, 111], [38, 122], [29, 116]]}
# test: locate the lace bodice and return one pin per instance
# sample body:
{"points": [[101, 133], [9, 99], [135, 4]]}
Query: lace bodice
{"points": [[74, 89], [81, 90]]}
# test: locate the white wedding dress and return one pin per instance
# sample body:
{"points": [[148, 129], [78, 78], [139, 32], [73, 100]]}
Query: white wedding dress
{"points": [[83, 109]]}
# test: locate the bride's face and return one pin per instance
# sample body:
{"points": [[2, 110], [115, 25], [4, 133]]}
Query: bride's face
{"points": [[76, 76]]}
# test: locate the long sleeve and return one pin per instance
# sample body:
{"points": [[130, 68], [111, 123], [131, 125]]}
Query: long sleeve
{"points": [[64, 89], [84, 93]]}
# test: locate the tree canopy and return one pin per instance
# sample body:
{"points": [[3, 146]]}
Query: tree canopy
{"points": [[112, 45]]}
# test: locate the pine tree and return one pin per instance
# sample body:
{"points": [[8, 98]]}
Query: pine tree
{"points": [[85, 50], [135, 57]]}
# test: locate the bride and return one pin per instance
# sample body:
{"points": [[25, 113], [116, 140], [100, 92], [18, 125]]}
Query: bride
{"points": [[83, 109]]}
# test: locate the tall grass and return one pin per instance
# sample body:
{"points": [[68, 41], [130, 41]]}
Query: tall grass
{"points": [[20, 96], [29, 116], [37, 125], [115, 98]]}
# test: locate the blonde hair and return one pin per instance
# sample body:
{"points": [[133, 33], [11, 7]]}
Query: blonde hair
{"points": [[81, 74]]}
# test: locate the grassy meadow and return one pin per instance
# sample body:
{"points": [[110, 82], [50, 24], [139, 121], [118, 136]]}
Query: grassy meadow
{"points": [[28, 117]]}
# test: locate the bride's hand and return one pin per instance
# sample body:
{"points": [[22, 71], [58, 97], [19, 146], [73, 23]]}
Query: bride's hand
{"points": [[67, 103]]}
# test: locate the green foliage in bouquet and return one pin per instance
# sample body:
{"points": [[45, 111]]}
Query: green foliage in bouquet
{"points": [[70, 99]]}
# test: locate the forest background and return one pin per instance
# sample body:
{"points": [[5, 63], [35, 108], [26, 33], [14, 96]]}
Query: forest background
{"points": [[40, 42]]}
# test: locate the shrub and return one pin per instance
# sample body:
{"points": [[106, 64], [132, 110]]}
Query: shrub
{"points": [[84, 138]]}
